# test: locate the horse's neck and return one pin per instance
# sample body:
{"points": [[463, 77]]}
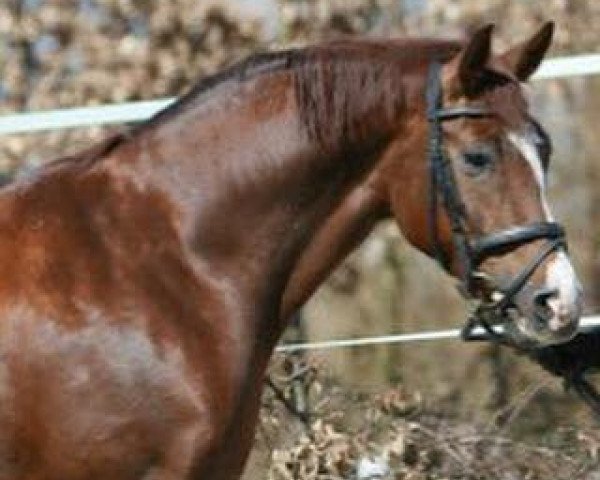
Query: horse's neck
{"points": [[252, 182], [343, 230]]}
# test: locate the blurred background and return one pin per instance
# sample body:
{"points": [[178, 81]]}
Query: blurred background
{"points": [[67, 53]]}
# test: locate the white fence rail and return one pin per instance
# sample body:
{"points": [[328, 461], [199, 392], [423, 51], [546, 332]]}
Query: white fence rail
{"points": [[81, 116], [587, 324], [559, 67]]}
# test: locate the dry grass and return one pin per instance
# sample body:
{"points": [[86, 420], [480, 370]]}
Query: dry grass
{"points": [[395, 434]]}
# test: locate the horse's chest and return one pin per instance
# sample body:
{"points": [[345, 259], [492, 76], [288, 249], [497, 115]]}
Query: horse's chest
{"points": [[98, 402]]}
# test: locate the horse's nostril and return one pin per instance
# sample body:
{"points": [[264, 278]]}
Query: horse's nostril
{"points": [[540, 302], [541, 296]]}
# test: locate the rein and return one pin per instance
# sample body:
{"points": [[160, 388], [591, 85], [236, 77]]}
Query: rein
{"points": [[471, 252]]}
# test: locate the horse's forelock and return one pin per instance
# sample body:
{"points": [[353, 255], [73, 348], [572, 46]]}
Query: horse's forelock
{"points": [[509, 102]]}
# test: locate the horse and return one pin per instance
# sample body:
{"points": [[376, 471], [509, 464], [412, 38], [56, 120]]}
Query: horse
{"points": [[145, 282]]}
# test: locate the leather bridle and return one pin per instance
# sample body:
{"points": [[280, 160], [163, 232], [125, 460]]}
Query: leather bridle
{"points": [[471, 252]]}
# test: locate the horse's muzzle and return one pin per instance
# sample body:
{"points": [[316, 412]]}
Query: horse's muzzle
{"points": [[545, 316]]}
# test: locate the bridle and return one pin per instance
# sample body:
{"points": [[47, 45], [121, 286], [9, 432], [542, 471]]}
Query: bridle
{"points": [[471, 252]]}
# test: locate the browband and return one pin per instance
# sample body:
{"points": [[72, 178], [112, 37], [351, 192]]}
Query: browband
{"points": [[458, 112]]}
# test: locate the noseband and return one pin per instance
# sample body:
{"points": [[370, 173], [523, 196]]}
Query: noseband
{"points": [[471, 252]]}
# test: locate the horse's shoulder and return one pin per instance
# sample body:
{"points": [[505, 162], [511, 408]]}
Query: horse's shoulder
{"points": [[108, 394]]}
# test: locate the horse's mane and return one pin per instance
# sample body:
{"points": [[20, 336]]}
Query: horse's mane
{"points": [[336, 82], [346, 90]]}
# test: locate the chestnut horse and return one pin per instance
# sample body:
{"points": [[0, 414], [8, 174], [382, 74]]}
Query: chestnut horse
{"points": [[145, 282]]}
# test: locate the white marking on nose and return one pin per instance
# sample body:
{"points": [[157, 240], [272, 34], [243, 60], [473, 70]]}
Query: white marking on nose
{"points": [[560, 274]]}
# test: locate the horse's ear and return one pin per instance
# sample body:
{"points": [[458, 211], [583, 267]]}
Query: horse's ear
{"points": [[473, 60], [525, 58]]}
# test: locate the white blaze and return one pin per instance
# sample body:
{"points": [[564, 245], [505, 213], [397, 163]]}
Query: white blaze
{"points": [[527, 148], [560, 274]]}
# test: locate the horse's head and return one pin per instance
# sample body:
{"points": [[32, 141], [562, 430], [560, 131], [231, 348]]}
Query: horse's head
{"points": [[484, 181]]}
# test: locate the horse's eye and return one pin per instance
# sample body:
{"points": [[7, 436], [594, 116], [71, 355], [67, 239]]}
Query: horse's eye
{"points": [[477, 160]]}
